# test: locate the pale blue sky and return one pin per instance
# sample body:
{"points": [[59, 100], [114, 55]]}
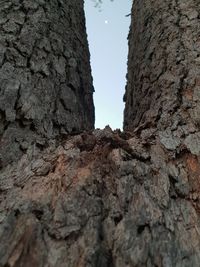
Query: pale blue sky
{"points": [[107, 34]]}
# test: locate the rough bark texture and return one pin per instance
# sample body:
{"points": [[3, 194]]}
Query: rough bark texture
{"points": [[164, 65], [45, 79], [101, 199], [112, 199]]}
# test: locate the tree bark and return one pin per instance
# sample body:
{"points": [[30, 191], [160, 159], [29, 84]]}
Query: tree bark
{"points": [[119, 199], [45, 78], [163, 66]]}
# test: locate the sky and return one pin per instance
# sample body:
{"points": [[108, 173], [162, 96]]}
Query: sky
{"points": [[107, 31]]}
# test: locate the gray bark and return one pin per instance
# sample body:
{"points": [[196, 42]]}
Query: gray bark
{"points": [[164, 65], [45, 79], [112, 199]]}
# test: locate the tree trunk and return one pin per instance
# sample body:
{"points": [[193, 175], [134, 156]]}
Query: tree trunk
{"points": [[163, 67], [45, 79], [112, 199]]}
